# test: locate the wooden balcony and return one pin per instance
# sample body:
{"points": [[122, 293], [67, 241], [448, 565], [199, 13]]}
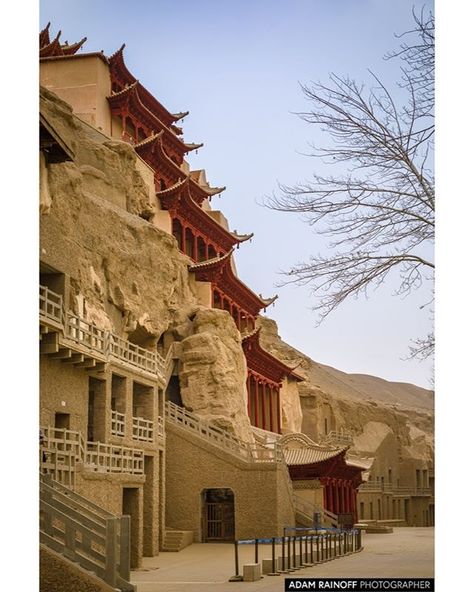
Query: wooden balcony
{"points": [[64, 449], [50, 307], [109, 458], [142, 429], [86, 345], [86, 334], [117, 424]]}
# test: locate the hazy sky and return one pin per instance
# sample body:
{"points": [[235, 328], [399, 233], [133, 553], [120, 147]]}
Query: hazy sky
{"points": [[236, 66]]}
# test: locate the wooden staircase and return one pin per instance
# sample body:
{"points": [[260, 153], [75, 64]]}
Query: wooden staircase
{"points": [[176, 540]]}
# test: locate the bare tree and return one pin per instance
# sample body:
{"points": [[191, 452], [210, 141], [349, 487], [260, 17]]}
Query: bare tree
{"points": [[379, 212]]}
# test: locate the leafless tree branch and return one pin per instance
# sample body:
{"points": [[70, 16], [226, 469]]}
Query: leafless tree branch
{"points": [[379, 212]]}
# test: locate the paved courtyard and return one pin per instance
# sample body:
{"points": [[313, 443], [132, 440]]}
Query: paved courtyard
{"points": [[408, 552]]}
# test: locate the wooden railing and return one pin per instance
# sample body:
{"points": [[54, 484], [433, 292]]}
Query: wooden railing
{"points": [[382, 487], [117, 427], [86, 334], [50, 304], [221, 438], [109, 458], [85, 533], [133, 354], [308, 510], [160, 427], [107, 344], [60, 451], [342, 437], [142, 429], [63, 449]]}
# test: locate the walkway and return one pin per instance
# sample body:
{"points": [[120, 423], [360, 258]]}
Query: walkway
{"points": [[408, 552]]}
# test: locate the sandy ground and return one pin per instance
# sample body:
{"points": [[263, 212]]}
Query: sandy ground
{"points": [[408, 552]]}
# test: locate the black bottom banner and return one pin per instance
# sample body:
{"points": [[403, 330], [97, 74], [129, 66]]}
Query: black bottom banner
{"points": [[359, 584]]}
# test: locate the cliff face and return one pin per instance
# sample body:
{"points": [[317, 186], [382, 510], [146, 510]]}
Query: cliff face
{"points": [[369, 406], [214, 372], [126, 275]]}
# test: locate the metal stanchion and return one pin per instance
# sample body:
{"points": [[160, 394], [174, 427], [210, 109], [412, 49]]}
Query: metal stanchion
{"points": [[236, 577], [301, 551], [256, 550], [312, 550], [274, 571], [294, 552], [290, 566], [340, 544], [284, 567]]}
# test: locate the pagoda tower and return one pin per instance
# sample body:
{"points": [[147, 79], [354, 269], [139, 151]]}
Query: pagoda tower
{"points": [[132, 114]]}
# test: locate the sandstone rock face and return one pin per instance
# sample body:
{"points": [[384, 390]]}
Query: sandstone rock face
{"points": [[124, 273], [380, 414], [214, 371], [128, 276]]}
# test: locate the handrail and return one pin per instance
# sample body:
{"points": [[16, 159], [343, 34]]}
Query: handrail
{"points": [[117, 427], [380, 486], [342, 437], [107, 344], [85, 533], [50, 304], [110, 458], [160, 426], [96, 456], [132, 354], [308, 509], [142, 429], [256, 453], [86, 333]]}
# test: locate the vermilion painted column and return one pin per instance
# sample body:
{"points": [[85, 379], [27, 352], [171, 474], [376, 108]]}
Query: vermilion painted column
{"points": [[248, 396], [195, 248], [183, 238], [257, 406], [278, 410], [323, 483], [330, 496], [262, 399]]}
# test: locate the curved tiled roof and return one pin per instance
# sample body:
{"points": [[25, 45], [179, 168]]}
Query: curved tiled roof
{"points": [[308, 456], [300, 449], [360, 462]]}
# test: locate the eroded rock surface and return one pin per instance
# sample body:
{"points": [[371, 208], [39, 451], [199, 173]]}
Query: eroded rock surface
{"points": [[214, 372], [372, 408]]}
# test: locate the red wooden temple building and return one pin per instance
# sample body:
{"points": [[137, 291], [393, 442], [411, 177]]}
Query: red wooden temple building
{"points": [[138, 118], [338, 476]]}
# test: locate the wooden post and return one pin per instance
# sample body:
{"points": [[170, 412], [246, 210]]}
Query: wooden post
{"points": [[110, 551]]}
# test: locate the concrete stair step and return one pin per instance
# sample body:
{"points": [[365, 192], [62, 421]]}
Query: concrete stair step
{"points": [[175, 540]]}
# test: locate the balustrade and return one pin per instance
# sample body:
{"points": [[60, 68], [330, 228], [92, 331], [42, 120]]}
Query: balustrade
{"points": [[142, 429], [109, 458], [117, 424], [86, 334], [50, 304], [250, 452]]}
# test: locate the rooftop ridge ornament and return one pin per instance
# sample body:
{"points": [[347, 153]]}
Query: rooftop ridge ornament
{"points": [[50, 49]]}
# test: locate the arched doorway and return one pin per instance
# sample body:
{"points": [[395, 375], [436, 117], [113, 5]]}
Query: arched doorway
{"points": [[218, 515]]}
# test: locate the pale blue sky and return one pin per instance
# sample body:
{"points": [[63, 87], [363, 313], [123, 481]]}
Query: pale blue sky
{"points": [[236, 66]]}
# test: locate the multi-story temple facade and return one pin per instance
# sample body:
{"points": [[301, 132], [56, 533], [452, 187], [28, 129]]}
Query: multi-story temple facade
{"points": [[128, 228]]}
